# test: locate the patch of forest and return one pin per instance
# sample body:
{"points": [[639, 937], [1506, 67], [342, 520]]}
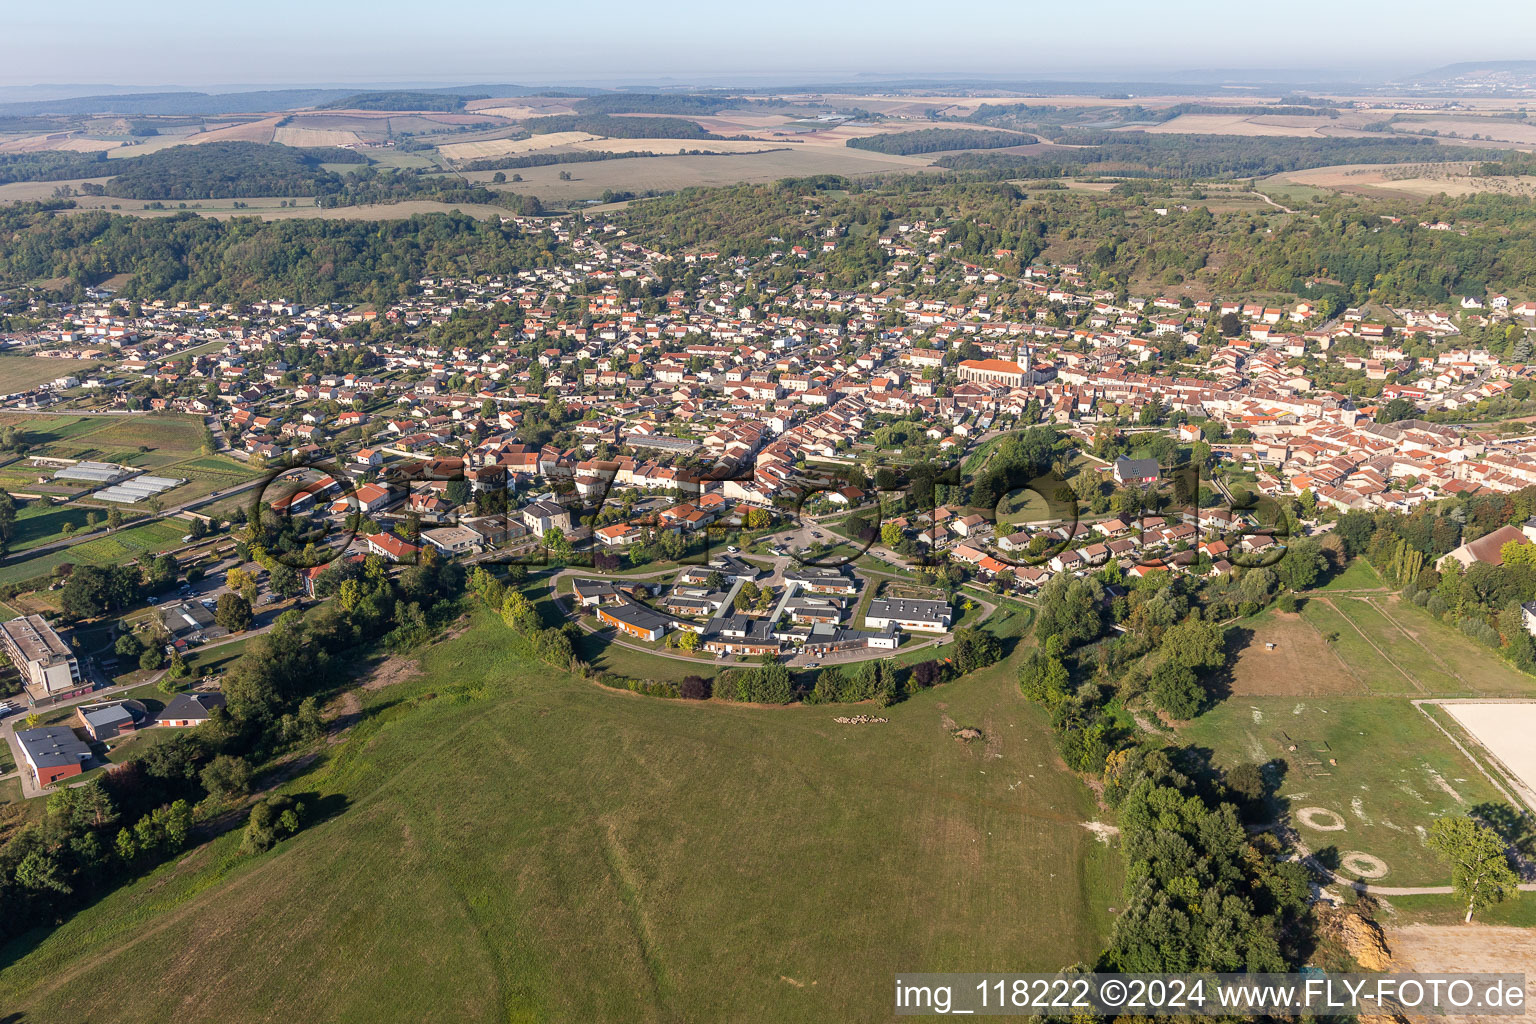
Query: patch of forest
{"points": [[1189, 157], [936, 140], [443, 102], [621, 127]]}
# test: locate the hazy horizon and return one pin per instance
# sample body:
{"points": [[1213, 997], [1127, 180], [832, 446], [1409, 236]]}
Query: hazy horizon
{"points": [[284, 43]]}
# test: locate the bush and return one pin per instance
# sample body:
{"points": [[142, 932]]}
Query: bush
{"points": [[694, 688], [649, 687], [1176, 690], [272, 820]]}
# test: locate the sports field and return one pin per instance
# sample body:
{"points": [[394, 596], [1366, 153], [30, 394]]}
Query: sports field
{"points": [[496, 830], [1503, 730], [1360, 775]]}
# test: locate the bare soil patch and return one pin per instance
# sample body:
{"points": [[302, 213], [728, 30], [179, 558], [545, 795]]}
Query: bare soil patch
{"points": [[1430, 948], [1300, 664], [393, 670]]}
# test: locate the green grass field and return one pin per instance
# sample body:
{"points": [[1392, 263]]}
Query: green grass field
{"points": [[22, 373], [41, 523], [1361, 659], [507, 842], [1357, 575], [113, 549], [1396, 647], [1396, 773]]}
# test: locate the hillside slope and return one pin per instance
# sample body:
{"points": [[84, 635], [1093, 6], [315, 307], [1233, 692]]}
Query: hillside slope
{"points": [[504, 842]]}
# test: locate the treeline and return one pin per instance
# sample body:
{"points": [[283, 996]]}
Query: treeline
{"points": [[1363, 256], [1242, 110], [621, 127], [1202, 893], [402, 100], [53, 165], [222, 166], [94, 837], [374, 186], [1512, 162], [510, 163], [934, 140], [658, 103], [1189, 157]]}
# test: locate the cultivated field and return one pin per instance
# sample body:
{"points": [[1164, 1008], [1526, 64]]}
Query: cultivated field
{"points": [[291, 136], [1407, 181], [65, 141], [674, 146], [492, 831], [1499, 129], [125, 545], [520, 108], [638, 174], [1361, 775], [1238, 124], [1457, 948], [492, 148], [1300, 664]]}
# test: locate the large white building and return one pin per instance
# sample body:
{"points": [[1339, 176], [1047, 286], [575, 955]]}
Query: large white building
{"points": [[40, 655], [994, 371]]}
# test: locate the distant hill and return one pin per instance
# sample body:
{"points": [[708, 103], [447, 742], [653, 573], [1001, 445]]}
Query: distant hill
{"points": [[179, 103], [1517, 73]]}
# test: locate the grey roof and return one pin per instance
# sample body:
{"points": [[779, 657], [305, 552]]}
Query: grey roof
{"points": [[192, 705], [594, 588], [104, 717], [1136, 467], [53, 745], [816, 573], [909, 609], [637, 615], [751, 629], [547, 510], [730, 565], [186, 616]]}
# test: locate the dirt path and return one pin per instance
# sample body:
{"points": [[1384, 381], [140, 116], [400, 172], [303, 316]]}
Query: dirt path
{"points": [[1271, 202]]}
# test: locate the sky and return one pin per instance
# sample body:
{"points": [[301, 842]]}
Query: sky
{"points": [[682, 42]]}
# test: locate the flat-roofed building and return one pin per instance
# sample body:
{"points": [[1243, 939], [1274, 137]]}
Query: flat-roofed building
{"points": [[40, 654], [928, 616], [452, 540]]}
